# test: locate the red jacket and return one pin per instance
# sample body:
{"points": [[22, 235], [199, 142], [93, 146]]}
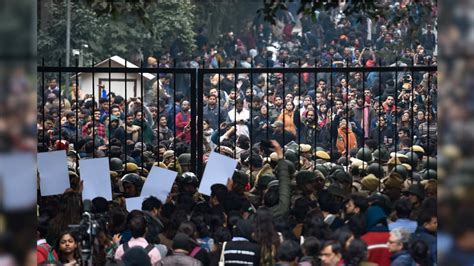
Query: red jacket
{"points": [[377, 246], [181, 121]]}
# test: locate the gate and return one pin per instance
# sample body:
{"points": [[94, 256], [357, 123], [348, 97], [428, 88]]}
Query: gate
{"points": [[194, 85]]}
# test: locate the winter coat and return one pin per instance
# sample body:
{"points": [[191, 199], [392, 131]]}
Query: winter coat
{"points": [[283, 206]]}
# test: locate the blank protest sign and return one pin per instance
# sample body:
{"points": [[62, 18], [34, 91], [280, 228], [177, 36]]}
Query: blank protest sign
{"points": [[218, 169], [17, 181], [96, 176], [54, 176], [134, 203], [159, 183]]}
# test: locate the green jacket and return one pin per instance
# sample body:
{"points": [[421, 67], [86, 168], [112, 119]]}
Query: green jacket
{"points": [[283, 207]]}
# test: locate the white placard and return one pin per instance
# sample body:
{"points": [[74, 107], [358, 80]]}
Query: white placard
{"points": [[134, 203], [218, 169], [17, 181], [96, 176], [54, 176], [158, 183]]}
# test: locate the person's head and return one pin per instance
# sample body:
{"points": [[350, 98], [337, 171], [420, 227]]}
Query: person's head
{"points": [[218, 194], [356, 252], [420, 115], [53, 83], [331, 253], [115, 110], [131, 184], [129, 120], [356, 205], [289, 106], [163, 121], [344, 236], [185, 106], [420, 251], [311, 246], [390, 100], [96, 115], [289, 97], [278, 101], [153, 205], [232, 94], [67, 247], [381, 121], [277, 126], [239, 105], [212, 100], [307, 101], [310, 116], [289, 252], [402, 208], [138, 226], [138, 115], [319, 97], [205, 124], [404, 133], [338, 104], [343, 123], [71, 117], [263, 109], [322, 84], [104, 104], [398, 239], [428, 220]]}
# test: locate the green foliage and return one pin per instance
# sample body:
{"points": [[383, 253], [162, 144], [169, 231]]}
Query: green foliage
{"points": [[123, 28]]}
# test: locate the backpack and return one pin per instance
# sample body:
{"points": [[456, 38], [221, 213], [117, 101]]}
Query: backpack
{"points": [[48, 250], [147, 249]]}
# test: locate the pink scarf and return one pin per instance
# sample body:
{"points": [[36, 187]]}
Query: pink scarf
{"points": [[365, 121]]}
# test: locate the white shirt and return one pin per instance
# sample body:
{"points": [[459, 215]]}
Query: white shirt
{"points": [[243, 115]]}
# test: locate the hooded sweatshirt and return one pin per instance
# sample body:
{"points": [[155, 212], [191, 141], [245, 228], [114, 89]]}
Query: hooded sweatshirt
{"points": [[377, 236]]}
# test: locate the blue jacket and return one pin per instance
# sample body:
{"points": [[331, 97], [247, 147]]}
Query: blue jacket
{"points": [[402, 258], [429, 238]]}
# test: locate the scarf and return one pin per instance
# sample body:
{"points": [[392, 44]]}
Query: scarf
{"points": [[365, 121]]}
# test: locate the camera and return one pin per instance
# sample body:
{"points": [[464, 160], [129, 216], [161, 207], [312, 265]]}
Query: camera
{"points": [[87, 230]]}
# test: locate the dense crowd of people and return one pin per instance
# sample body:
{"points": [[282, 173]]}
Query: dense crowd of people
{"points": [[333, 168]]}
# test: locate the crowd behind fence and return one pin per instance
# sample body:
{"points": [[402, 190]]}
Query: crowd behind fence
{"points": [[336, 109]]}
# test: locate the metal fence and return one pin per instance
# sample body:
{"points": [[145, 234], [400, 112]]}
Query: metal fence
{"points": [[195, 83]]}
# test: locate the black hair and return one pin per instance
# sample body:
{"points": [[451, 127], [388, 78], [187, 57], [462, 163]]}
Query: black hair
{"points": [[314, 225], [289, 250], [342, 235], [187, 228], [311, 246], [219, 191], [61, 257], [118, 99], [151, 203], [361, 202], [357, 224], [300, 209], [356, 253], [221, 234], [425, 216], [420, 252], [271, 197], [371, 144], [403, 208], [336, 246], [137, 226], [89, 147]]}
